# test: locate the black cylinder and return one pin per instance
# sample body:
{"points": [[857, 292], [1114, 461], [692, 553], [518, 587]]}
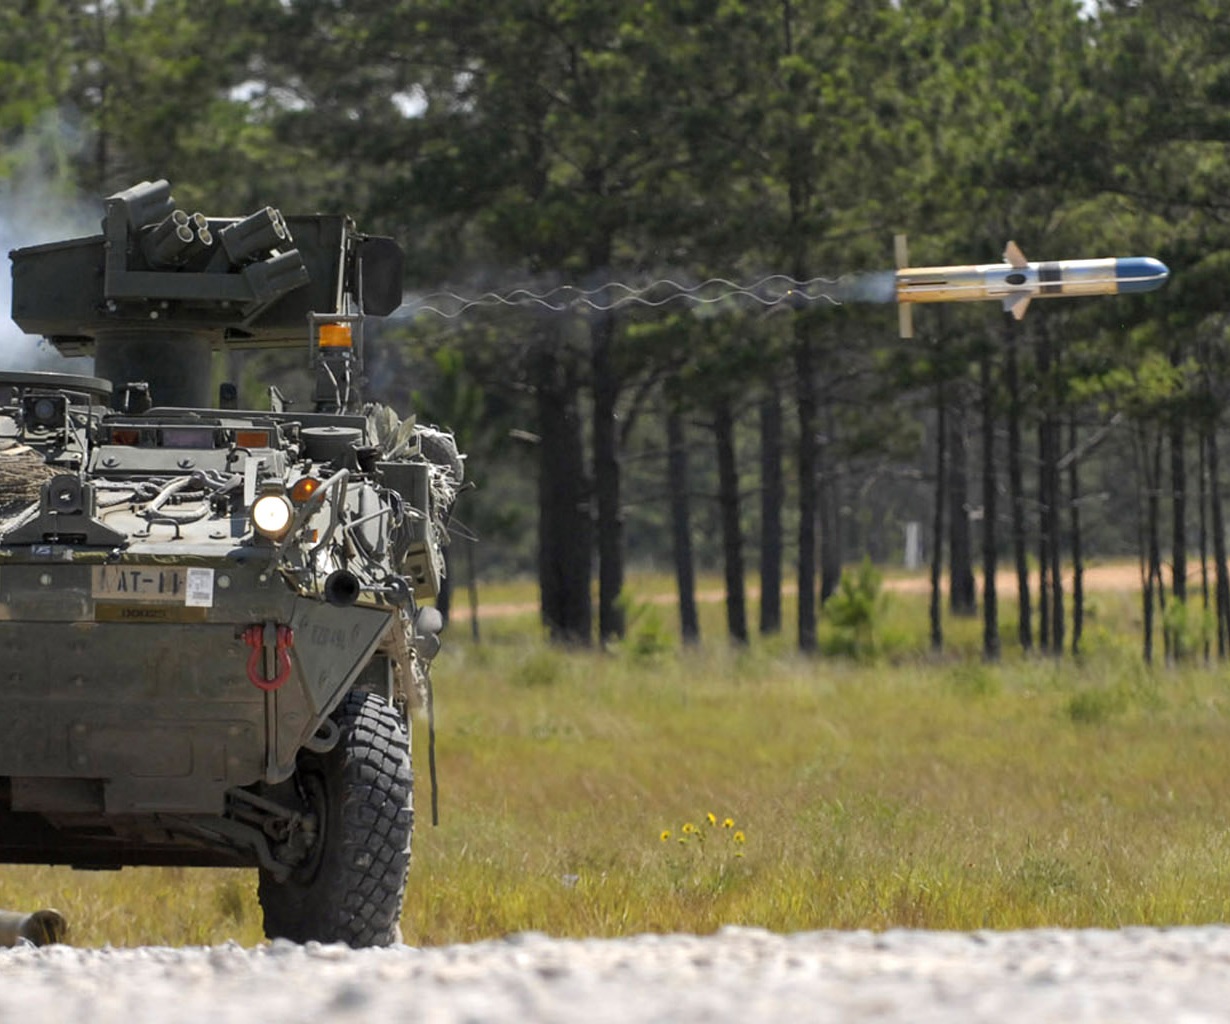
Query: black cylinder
{"points": [[342, 588], [328, 444]]}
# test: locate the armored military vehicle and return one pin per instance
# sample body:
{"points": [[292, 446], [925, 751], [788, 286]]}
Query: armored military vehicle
{"points": [[214, 621]]}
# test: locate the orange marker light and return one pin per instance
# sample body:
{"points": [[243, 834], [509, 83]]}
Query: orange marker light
{"points": [[334, 336], [303, 489], [252, 438]]}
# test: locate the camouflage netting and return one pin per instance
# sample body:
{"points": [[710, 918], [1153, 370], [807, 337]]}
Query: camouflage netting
{"points": [[22, 474], [405, 439]]}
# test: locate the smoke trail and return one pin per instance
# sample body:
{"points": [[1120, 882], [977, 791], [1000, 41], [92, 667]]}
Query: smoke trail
{"points": [[38, 204], [710, 296]]}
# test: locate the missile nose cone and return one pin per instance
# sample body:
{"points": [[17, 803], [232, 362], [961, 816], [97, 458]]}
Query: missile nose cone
{"points": [[1140, 274]]}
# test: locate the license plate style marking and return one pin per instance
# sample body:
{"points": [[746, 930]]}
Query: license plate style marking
{"points": [[139, 583]]}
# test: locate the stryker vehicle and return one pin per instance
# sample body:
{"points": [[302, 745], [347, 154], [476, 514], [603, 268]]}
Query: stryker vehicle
{"points": [[212, 620]]}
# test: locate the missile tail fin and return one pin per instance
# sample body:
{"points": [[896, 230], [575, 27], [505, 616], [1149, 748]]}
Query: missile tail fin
{"points": [[905, 312], [1016, 305], [905, 319], [1014, 256]]}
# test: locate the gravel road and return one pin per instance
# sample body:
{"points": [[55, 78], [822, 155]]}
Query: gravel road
{"points": [[1177, 975]]}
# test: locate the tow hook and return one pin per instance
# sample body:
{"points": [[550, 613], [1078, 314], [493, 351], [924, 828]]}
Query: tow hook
{"points": [[271, 645]]}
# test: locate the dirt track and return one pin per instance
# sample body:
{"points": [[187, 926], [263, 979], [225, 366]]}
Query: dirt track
{"points": [[740, 974]]}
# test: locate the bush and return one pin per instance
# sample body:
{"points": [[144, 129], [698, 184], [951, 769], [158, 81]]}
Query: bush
{"points": [[855, 609]]}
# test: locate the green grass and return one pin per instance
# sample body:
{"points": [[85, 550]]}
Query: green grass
{"points": [[894, 790]]}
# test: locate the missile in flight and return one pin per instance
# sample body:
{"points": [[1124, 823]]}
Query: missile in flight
{"points": [[1016, 281]]}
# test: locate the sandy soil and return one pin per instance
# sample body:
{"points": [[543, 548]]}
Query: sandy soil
{"points": [[1117, 576]]}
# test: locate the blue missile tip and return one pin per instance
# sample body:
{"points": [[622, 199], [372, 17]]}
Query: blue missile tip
{"points": [[1140, 274]]}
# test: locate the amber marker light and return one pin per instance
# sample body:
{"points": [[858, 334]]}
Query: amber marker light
{"points": [[272, 515], [334, 336], [252, 438], [303, 489]]}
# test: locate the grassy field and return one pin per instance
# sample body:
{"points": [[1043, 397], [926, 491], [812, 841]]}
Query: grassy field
{"points": [[649, 789]]}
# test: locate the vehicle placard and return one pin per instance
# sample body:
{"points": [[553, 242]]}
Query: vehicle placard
{"points": [[200, 593], [146, 583]]}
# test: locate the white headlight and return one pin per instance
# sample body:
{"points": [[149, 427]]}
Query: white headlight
{"points": [[272, 515]]}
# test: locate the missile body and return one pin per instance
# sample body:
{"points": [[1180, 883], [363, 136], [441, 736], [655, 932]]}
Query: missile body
{"points": [[1016, 281]]}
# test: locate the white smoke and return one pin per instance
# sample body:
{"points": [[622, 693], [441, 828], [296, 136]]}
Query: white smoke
{"points": [[874, 286], [39, 203]]}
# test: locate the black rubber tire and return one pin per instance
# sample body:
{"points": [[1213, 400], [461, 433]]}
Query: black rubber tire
{"points": [[351, 886]]}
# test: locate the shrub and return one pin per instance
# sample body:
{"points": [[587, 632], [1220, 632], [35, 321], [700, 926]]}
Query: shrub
{"points": [[855, 608]]}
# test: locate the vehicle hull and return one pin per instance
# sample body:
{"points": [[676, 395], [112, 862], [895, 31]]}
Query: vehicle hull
{"points": [[77, 657]]}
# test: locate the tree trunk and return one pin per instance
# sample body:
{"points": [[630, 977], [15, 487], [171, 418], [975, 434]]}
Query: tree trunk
{"points": [[1016, 488], [1219, 545], [990, 595], [1146, 597], [1044, 539], [1149, 455], [1050, 584], [1146, 576], [828, 503], [828, 508], [681, 525], [564, 530], [1205, 595], [805, 384], [772, 496], [732, 533], [962, 599], [1178, 489], [1056, 491], [937, 531], [1154, 484], [990, 603], [609, 522], [1078, 556]]}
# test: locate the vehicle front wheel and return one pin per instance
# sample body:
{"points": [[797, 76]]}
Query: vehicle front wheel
{"points": [[350, 886]]}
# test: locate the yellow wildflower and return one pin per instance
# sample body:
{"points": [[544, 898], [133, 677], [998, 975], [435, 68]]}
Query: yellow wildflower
{"points": [[728, 823], [739, 837], [712, 818], [688, 828], [666, 834]]}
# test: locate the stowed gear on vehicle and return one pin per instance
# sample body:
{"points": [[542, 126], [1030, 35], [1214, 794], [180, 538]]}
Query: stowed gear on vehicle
{"points": [[212, 620]]}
